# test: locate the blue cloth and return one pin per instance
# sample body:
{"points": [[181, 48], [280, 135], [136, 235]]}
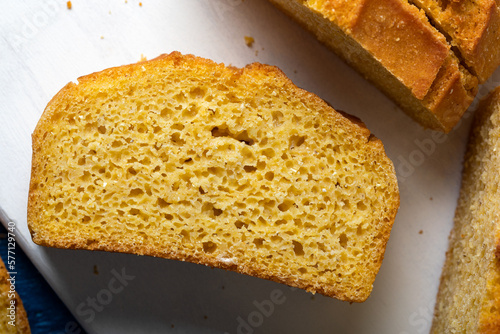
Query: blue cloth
{"points": [[46, 312]]}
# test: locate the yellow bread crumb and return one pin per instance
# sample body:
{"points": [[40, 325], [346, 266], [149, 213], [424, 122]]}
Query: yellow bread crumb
{"points": [[249, 41]]}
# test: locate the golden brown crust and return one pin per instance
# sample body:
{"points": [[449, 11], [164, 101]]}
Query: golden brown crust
{"points": [[253, 72], [473, 28], [451, 94], [479, 44], [489, 322], [394, 46], [399, 36], [485, 53], [490, 326]]}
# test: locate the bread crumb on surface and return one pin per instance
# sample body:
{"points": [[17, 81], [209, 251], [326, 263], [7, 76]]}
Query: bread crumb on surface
{"points": [[421, 232], [140, 4], [96, 272], [102, 37], [69, 5], [249, 40]]}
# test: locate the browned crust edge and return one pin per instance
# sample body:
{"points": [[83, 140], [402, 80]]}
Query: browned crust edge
{"points": [[179, 60], [483, 62], [479, 50], [402, 39], [445, 102]]}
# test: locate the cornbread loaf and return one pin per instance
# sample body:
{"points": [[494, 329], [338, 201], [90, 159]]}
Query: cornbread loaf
{"points": [[473, 27], [395, 46], [183, 158], [19, 321], [468, 300]]}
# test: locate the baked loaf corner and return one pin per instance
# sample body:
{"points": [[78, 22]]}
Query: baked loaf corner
{"points": [[394, 45], [468, 300], [473, 28], [183, 158]]}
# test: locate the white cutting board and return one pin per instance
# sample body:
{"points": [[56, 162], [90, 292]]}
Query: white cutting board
{"points": [[44, 45]]}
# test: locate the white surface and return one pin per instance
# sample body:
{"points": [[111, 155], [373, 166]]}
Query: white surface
{"points": [[44, 46]]}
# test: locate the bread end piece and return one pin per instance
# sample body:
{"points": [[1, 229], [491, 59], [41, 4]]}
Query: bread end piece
{"points": [[468, 300], [183, 158], [473, 27], [396, 48]]}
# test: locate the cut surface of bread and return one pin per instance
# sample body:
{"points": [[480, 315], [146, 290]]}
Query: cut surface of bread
{"points": [[394, 45], [13, 318], [473, 27], [183, 158], [468, 300]]}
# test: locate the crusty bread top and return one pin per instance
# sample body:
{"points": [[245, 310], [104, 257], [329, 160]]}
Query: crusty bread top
{"points": [[396, 33], [474, 29], [394, 45], [183, 158]]}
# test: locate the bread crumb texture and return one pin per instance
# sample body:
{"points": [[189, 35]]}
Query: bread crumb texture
{"points": [[21, 325], [249, 40], [183, 158], [469, 295]]}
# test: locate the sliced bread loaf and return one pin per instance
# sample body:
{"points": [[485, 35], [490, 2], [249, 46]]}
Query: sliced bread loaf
{"points": [[395, 46], [183, 158], [469, 294]]}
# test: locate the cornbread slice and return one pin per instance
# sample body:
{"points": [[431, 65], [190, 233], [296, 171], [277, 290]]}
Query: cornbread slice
{"points": [[393, 44], [183, 158], [473, 27], [469, 295], [19, 320]]}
